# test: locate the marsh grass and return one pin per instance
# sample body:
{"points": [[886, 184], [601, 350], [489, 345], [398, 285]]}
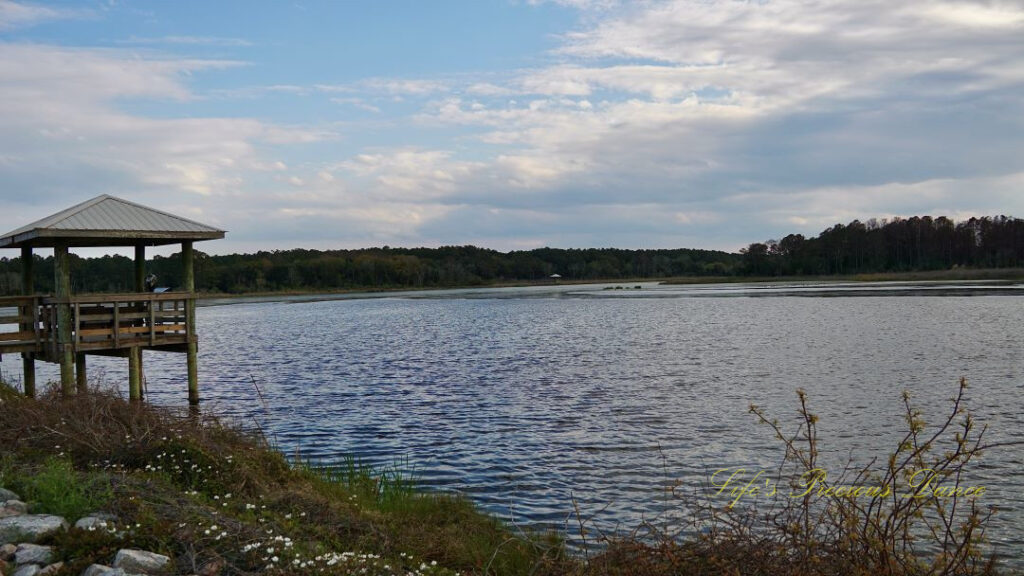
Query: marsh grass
{"points": [[388, 487]]}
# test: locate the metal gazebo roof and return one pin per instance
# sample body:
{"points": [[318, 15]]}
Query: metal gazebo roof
{"points": [[109, 221]]}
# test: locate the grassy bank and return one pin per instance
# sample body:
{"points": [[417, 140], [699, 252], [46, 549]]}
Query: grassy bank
{"points": [[218, 500]]}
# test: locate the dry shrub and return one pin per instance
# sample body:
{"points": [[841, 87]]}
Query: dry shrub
{"points": [[907, 528]]}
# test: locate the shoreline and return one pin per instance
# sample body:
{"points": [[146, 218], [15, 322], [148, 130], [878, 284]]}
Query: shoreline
{"points": [[992, 275]]}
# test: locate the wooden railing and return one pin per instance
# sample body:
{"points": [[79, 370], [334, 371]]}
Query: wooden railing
{"points": [[98, 322], [20, 329]]}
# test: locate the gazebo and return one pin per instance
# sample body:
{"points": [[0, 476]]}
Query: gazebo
{"points": [[64, 328]]}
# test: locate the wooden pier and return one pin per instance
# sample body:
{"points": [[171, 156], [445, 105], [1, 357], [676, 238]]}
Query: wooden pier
{"points": [[108, 323], [64, 328]]}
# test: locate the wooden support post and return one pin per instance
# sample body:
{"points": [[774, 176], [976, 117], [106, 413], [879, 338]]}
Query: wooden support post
{"points": [[28, 359], [135, 353], [140, 268], [188, 264], [134, 374], [80, 373], [65, 347]]}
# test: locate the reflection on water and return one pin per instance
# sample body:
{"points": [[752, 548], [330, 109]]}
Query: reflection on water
{"points": [[525, 397]]}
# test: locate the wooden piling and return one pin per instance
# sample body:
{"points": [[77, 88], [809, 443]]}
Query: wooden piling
{"points": [[135, 353], [28, 359], [80, 373], [65, 347], [134, 374], [188, 265]]}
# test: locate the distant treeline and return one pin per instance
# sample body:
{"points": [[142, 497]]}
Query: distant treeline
{"points": [[298, 270], [896, 245]]}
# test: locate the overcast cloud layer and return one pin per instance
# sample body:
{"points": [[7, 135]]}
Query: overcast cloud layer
{"points": [[653, 124]]}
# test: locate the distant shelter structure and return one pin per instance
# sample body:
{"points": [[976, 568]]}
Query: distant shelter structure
{"points": [[64, 328]]}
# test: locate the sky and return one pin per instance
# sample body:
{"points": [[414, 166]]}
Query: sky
{"points": [[513, 124]]}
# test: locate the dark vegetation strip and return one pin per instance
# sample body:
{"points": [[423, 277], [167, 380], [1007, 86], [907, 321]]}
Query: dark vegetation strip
{"points": [[918, 244]]}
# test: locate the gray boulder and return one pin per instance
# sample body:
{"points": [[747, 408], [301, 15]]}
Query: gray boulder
{"points": [[27, 570], [51, 569], [16, 505], [91, 523], [101, 570], [142, 562], [6, 494], [33, 554], [103, 516], [30, 527], [13, 508]]}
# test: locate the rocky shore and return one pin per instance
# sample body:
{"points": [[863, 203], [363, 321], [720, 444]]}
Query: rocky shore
{"points": [[21, 532]]}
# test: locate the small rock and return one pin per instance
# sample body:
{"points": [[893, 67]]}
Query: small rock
{"points": [[51, 569], [101, 570], [13, 508], [33, 554], [16, 505], [7, 552], [27, 570], [30, 527], [141, 562], [6, 494], [91, 523], [103, 516]]}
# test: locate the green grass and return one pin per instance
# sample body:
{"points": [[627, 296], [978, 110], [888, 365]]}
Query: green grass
{"points": [[385, 487], [57, 488]]}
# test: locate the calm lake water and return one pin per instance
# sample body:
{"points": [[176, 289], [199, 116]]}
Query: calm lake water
{"points": [[525, 398]]}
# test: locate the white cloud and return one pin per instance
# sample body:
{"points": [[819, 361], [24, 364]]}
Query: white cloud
{"points": [[188, 41], [357, 103], [700, 100], [388, 86], [409, 174], [23, 14], [61, 124]]}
